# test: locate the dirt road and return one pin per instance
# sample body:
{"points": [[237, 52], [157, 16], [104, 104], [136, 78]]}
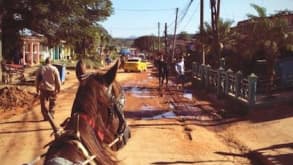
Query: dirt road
{"points": [[162, 132]]}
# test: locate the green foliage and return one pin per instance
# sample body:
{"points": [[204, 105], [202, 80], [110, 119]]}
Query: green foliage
{"points": [[184, 36], [75, 21], [145, 43], [123, 42]]}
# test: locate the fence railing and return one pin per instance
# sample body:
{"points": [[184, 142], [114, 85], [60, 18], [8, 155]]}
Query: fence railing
{"points": [[226, 83]]}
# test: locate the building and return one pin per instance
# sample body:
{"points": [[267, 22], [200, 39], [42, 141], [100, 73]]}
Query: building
{"points": [[30, 50], [243, 26]]}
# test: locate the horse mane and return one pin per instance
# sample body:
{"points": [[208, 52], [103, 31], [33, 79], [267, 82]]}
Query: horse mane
{"points": [[92, 101], [80, 69], [64, 146], [91, 98], [104, 156]]}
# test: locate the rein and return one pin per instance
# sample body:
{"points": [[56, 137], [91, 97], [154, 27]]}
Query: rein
{"points": [[117, 106]]}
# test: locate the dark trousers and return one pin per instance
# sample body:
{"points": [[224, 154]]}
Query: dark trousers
{"points": [[180, 79], [45, 97], [163, 74]]}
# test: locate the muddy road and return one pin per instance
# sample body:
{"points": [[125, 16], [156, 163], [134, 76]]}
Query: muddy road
{"points": [[168, 127]]}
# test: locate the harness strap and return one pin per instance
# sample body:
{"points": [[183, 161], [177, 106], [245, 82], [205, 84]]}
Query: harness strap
{"points": [[117, 108], [83, 76], [100, 134], [84, 150]]}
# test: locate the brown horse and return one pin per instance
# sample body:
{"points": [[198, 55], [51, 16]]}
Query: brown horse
{"points": [[96, 119], [116, 93]]}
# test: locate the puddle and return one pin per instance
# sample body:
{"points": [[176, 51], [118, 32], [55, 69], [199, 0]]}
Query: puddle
{"points": [[147, 108], [171, 106], [140, 92], [166, 115], [187, 94]]}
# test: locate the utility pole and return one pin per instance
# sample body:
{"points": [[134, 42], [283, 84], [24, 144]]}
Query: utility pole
{"points": [[166, 39], [174, 39], [166, 44], [215, 13], [154, 42], [159, 38], [201, 29]]}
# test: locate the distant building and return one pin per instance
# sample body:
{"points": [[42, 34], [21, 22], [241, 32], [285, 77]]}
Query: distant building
{"points": [[242, 26], [30, 50]]}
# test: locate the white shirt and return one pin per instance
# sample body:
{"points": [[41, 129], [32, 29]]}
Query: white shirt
{"points": [[48, 78], [179, 67]]}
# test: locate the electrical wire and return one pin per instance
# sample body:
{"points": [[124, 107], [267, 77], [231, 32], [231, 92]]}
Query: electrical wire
{"points": [[184, 12], [192, 15], [144, 10]]}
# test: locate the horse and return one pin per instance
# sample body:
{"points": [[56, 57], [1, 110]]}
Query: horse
{"points": [[96, 122], [117, 95]]}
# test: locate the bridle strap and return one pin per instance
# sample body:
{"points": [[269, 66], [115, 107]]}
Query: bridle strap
{"points": [[85, 152], [117, 108], [100, 134]]}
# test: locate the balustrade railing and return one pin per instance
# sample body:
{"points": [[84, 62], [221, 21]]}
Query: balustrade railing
{"points": [[226, 83]]}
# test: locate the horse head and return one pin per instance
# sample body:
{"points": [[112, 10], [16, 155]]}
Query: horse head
{"points": [[101, 97], [91, 124]]}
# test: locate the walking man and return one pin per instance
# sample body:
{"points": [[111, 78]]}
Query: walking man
{"points": [[163, 70], [179, 68], [48, 85]]}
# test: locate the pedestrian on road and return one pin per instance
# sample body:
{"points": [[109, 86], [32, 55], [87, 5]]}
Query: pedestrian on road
{"points": [[108, 59], [163, 70], [48, 86], [179, 68]]}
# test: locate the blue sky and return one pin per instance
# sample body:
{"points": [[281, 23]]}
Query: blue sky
{"points": [[134, 18]]}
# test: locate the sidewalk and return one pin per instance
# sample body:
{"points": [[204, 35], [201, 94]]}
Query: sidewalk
{"points": [[264, 132], [276, 98]]}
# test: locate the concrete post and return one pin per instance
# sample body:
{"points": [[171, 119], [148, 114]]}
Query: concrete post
{"points": [[227, 84], [23, 53], [31, 53], [38, 53], [222, 62], [219, 80], [194, 69], [202, 73], [252, 82], [238, 83], [207, 71]]}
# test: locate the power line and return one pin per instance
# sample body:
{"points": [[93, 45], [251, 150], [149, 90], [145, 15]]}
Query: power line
{"points": [[192, 15], [133, 28], [185, 11], [182, 15], [145, 10]]}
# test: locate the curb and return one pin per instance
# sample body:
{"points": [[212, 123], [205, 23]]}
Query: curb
{"points": [[265, 158]]}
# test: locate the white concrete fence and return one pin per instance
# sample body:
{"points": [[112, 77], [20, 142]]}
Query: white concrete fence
{"points": [[226, 82]]}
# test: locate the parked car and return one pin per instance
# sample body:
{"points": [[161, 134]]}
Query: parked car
{"points": [[135, 64]]}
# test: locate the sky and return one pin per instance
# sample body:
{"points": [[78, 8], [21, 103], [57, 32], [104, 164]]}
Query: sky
{"points": [[134, 18]]}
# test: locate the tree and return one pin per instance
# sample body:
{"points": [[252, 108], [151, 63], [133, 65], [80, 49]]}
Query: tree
{"points": [[70, 20], [265, 37], [184, 36], [145, 43], [225, 37]]}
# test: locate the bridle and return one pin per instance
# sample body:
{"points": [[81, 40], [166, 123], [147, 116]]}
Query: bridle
{"points": [[116, 107], [117, 104]]}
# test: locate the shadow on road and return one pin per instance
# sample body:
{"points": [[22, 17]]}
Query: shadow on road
{"points": [[22, 121], [25, 131], [192, 162], [280, 154]]}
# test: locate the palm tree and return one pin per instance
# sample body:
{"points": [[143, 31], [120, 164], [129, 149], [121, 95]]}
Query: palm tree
{"points": [[224, 38], [265, 34]]}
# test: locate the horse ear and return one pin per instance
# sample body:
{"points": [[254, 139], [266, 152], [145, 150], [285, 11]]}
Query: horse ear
{"points": [[110, 75], [80, 69]]}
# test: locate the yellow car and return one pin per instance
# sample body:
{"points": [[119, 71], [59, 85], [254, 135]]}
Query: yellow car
{"points": [[135, 64]]}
